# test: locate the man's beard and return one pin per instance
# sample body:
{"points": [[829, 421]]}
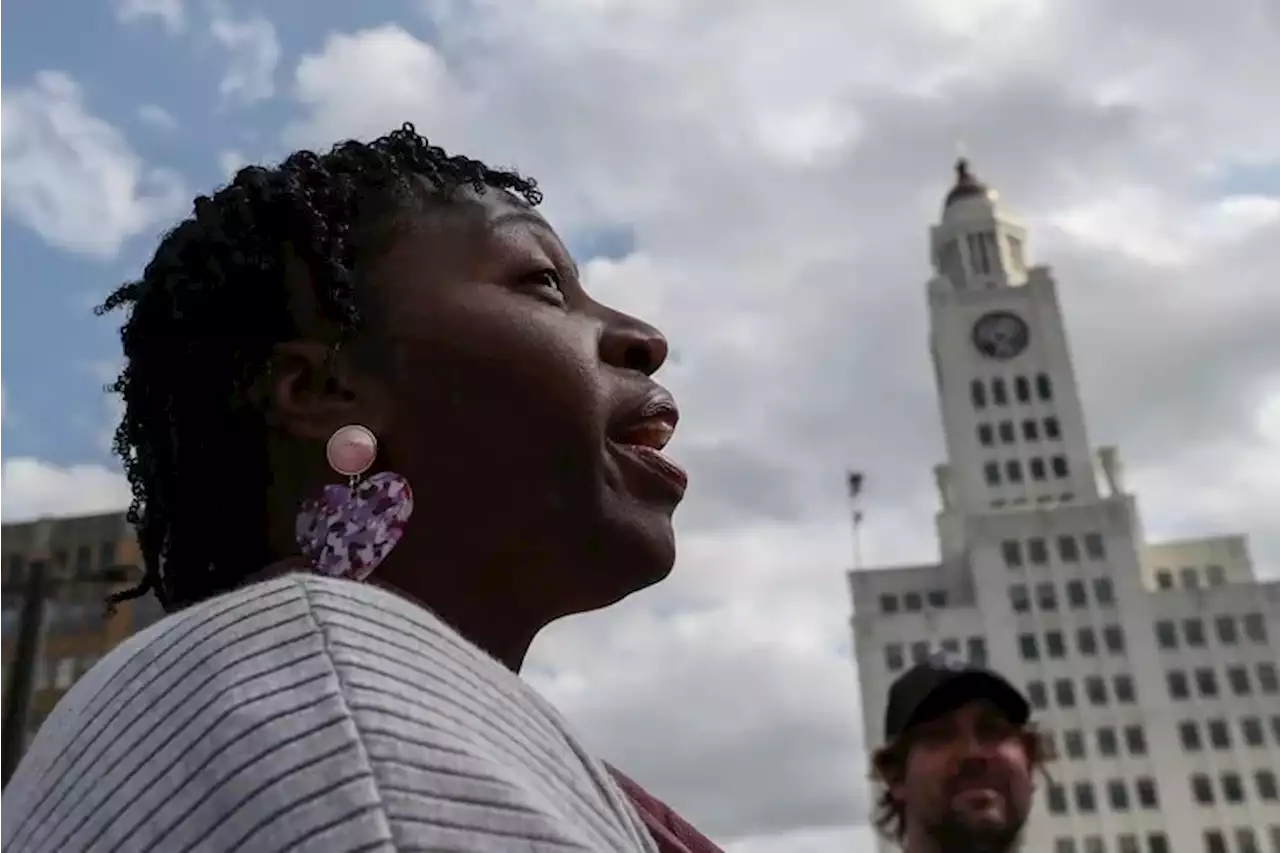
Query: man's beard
{"points": [[954, 833]]}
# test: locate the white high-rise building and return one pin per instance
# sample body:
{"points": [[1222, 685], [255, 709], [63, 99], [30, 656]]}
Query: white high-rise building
{"points": [[1152, 665]]}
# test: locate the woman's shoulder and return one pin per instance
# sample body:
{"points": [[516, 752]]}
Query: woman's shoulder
{"points": [[281, 706]]}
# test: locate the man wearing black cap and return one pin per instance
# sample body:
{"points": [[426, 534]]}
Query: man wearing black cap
{"points": [[957, 761]]}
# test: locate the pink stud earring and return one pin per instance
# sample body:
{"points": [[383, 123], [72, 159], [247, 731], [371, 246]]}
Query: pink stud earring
{"points": [[353, 526]]}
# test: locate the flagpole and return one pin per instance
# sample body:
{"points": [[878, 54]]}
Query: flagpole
{"points": [[855, 479]]}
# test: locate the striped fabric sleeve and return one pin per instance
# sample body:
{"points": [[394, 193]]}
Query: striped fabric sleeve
{"points": [[306, 714]]}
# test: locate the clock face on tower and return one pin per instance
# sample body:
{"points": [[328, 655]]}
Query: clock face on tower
{"points": [[1001, 334]]}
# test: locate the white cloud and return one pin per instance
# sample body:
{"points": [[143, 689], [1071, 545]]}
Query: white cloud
{"points": [[254, 53], [231, 162], [72, 177], [167, 12], [157, 117], [32, 488]]}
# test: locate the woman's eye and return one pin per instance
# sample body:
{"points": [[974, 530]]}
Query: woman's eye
{"points": [[548, 279]]}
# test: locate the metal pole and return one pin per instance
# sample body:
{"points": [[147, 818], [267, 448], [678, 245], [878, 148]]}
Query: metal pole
{"points": [[22, 675]]}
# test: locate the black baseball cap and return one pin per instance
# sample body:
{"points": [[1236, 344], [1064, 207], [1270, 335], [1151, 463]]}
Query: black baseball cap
{"points": [[942, 683]]}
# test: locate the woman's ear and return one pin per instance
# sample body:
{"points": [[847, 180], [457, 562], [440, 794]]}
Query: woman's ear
{"points": [[310, 389]]}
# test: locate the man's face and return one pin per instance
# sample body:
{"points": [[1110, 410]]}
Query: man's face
{"points": [[968, 779]]}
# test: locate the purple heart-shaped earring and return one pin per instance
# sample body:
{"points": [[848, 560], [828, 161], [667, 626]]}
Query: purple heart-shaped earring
{"points": [[352, 526]]}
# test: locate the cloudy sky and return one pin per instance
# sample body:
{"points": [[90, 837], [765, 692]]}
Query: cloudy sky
{"points": [[758, 178]]}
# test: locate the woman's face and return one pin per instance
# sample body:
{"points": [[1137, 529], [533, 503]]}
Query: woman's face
{"points": [[522, 413]]}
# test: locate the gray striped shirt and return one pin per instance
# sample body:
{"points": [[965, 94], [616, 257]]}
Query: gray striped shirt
{"points": [[309, 714]]}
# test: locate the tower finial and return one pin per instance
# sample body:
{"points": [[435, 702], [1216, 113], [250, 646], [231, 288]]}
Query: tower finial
{"points": [[962, 170]]}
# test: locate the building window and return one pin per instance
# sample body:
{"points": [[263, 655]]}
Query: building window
{"points": [[1148, 794], [1202, 789], [1022, 389], [888, 603], [1215, 575], [1064, 693], [1059, 466], [64, 671], [1215, 841], [1255, 628], [1207, 682], [1006, 432], [1246, 840], [1219, 734], [893, 659], [1193, 632], [978, 394], [1166, 634], [1103, 592], [1044, 387], [1094, 546], [1113, 639], [1085, 803], [1054, 645], [1073, 743], [977, 651], [1177, 681], [1190, 578], [985, 435], [1030, 430], [1052, 430], [1268, 683], [999, 392], [1189, 734], [1164, 579], [912, 602], [1037, 468], [937, 598], [1251, 731], [1265, 782], [992, 472], [1135, 740], [1076, 596], [1225, 628], [1108, 746], [1013, 471], [1046, 597], [1011, 550], [1018, 599], [1037, 551], [1238, 680], [1086, 642], [1065, 844], [1095, 690], [1056, 799], [1232, 788], [1037, 695], [1157, 842], [1122, 687], [1117, 795], [1027, 647], [919, 651], [1127, 843], [1068, 550]]}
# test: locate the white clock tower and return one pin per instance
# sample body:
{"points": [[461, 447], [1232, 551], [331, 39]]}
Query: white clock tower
{"points": [[1011, 412]]}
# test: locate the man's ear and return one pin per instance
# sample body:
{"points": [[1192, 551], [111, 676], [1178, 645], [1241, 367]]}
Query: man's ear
{"points": [[310, 390]]}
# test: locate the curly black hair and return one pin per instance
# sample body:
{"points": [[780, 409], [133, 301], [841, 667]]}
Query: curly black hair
{"points": [[202, 322]]}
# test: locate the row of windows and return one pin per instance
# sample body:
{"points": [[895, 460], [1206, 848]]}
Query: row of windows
{"points": [[1055, 643], [895, 655], [56, 674], [913, 602], [1246, 839], [1037, 469], [1075, 592], [1225, 628], [1122, 691], [1035, 551], [1216, 733], [1206, 681], [1072, 743], [1031, 431], [1157, 842], [1119, 796], [999, 396], [1233, 788], [82, 564], [1214, 575]]}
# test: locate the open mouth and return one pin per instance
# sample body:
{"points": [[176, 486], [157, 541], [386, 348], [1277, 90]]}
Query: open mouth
{"points": [[641, 438]]}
